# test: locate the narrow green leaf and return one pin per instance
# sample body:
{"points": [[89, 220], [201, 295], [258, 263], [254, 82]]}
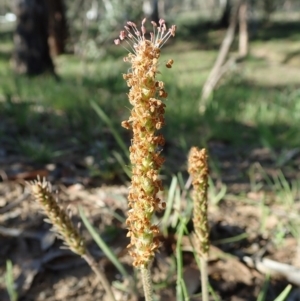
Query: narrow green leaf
{"points": [[177, 207], [184, 291], [9, 281], [231, 239], [102, 245], [284, 293], [263, 293], [169, 206], [181, 291], [108, 122], [124, 166]]}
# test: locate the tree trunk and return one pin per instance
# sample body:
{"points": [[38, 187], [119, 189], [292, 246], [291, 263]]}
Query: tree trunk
{"points": [[269, 7], [57, 26], [31, 51], [150, 9], [161, 8], [219, 68], [225, 18]]}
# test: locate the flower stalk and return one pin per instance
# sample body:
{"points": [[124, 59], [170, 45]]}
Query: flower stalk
{"points": [[198, 169], [146, 96]]}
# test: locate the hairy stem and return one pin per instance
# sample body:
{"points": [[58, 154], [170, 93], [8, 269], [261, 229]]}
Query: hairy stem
{"points": [[147, 283], [204, 279], [101, 276]]}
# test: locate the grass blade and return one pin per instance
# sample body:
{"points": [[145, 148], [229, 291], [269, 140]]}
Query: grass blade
{"points": [[181, 291], [177, 206], [9, 281], [121, 161], [169, 206], [102, 245], [263, 293], [108, 122], [284, 293], [231, 239]]}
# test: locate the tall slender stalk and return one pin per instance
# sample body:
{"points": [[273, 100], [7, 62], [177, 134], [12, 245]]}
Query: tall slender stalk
{"points": [[204, 279], [147, 118], [147, 283], [101, 276]]}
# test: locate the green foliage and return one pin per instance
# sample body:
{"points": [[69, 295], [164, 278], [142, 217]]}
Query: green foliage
{"points": [[102, 245], [39, 152], [181, 290], [264, 116], [108, 122], [215, 195], [169, 207], [263, 293], [9, 281], [284, 293]]}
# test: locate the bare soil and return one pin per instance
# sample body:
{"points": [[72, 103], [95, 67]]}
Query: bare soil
{"points": [[246, 227]]}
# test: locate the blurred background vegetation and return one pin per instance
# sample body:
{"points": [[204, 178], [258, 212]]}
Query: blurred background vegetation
{"points": [[58, 57]]}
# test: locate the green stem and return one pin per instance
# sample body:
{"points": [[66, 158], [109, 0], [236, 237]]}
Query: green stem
{"points": [[204, 279], [147, 283]]}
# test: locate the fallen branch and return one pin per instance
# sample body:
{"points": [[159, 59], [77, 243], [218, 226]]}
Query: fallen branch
{"points": [[274, 268], [215, 74]]}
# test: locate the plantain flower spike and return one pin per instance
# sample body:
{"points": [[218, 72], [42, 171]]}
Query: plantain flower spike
{"points": [[198, 169], [147, 118], [41, 191]]}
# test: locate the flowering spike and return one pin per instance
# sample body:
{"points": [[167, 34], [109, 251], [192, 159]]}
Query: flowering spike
{"points": [[198, 169], [41, 191], [137, 36], [147, 117]]}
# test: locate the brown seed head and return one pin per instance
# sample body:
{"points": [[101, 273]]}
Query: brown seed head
{"points": [[198, 169], [41, 191], [147, 117]]}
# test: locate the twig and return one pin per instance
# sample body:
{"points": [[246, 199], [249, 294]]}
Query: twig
{"points": [[275, 268]]}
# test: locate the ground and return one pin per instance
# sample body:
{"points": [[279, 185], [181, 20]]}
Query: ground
{"points": [[250, 225]]}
